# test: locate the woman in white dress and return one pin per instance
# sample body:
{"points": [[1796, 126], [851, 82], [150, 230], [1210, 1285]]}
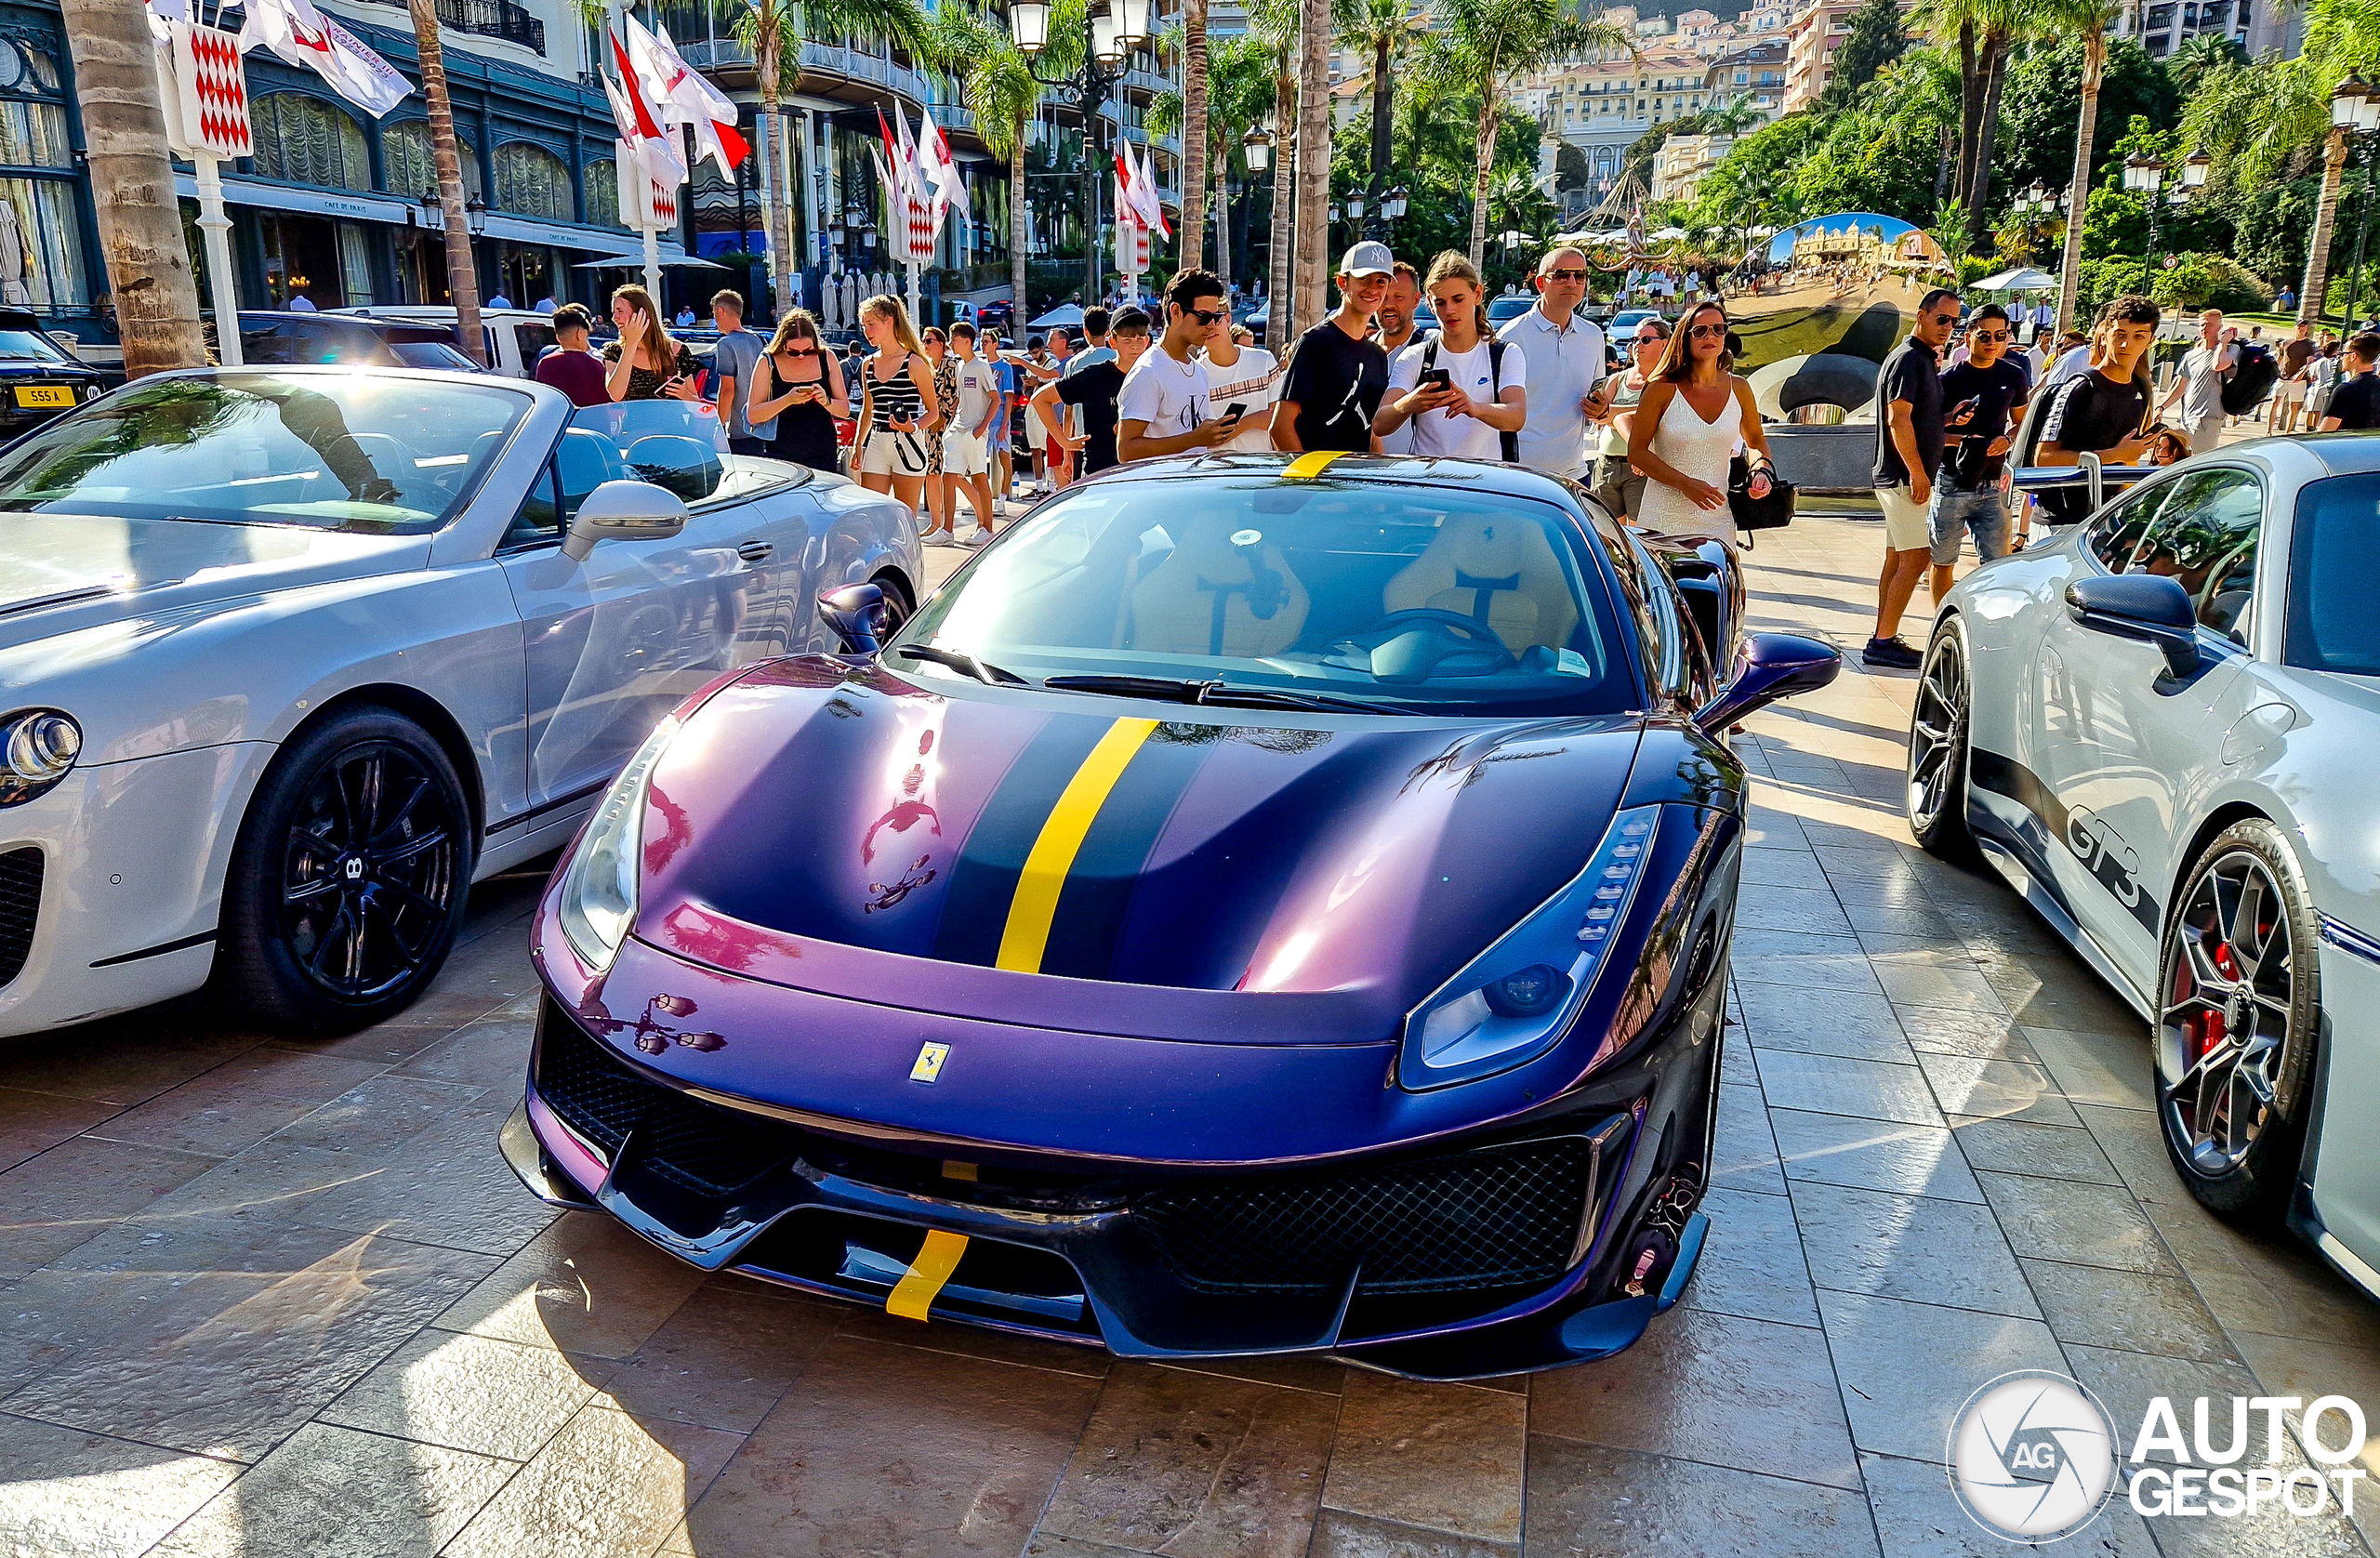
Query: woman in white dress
{"points": [[1694, 413]]}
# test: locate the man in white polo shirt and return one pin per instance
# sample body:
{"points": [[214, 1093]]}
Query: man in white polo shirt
{"points": [[1566, 363]]}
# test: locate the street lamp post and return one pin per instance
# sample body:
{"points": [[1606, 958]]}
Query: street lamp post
{"points": [[2145, 175], [1117, 29], [2356, 109]]}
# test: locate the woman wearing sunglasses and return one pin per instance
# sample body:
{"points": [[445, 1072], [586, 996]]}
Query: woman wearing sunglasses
{"points": [[800, 384], [1694, 413]]}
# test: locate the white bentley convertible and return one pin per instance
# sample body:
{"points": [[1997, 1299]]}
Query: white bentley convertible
{"points": [[289, 658]]}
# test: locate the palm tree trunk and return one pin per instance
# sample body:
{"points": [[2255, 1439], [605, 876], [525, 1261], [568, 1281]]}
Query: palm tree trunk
{"points": [[141, 223], [1194, 133], [462, 270], [1283, 252], [1486, 168], [1970, 108], [2070, 270], [1995, 73], [1218, 195], [1383, 105], [2317, 248], [1020, 235], [1314, 161], [782, 173]]}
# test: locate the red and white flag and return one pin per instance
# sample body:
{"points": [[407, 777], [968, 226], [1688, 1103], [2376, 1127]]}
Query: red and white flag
{"points": [[681, 95], [656, 146], [300, 34], [941, 171]]}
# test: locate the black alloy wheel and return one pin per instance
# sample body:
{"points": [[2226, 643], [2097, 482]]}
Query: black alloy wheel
{"points": [[2239, 1006], [1936, 798], [350, 879]]}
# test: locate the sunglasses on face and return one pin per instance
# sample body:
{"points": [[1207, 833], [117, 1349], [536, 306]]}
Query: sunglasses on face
{"points": [[1209, 317], [1709, 332], [1945, 318], [1566, 275], [1649, 341], [1988, 335]]}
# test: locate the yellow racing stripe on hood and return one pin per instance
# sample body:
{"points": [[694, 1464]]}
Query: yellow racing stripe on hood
{"points": [[1305, 468], [1027, 935]]}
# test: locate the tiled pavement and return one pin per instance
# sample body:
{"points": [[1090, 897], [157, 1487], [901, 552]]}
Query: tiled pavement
{"points": [[285, 1298]]}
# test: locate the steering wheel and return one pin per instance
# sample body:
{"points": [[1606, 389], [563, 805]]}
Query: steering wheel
{"points": [[1468, 627]]}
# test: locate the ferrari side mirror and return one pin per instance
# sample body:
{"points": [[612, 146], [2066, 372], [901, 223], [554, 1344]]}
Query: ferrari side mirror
{"points": [[856, 614], [1768, 666]]}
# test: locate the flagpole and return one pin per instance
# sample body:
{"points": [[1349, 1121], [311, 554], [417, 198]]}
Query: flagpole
{"points": [[215, 226], [652, 262]]}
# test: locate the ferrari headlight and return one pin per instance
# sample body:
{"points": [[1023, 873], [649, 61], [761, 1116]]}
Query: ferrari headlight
{"points": [[1517, 998], [37, 748], [599, 886]]}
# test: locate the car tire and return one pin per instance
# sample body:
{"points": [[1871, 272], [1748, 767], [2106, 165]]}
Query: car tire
{"points": [[350, 876], [898, 606], [2238, 957], [1936, 795]]}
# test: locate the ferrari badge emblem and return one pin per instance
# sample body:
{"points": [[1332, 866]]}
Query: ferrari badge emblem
{"points": [[930, 1059]]}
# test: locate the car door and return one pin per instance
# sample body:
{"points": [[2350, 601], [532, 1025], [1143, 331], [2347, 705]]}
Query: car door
{"points": [[614, 642], [2126, 738]]}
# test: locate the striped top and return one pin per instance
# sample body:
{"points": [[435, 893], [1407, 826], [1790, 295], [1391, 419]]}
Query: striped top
{"points": [[894, 398]]}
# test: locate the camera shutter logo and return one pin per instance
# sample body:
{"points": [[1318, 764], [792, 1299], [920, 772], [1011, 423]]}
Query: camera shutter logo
{"points": [[2032, 1458]]}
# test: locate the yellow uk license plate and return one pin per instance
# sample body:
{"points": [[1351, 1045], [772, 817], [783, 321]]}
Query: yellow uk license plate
{"points": [[44, 394]]}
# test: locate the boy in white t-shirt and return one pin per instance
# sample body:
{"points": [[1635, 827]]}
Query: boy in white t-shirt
{"points": [[967, 446], [1163, 407], [1246, 377], [1473, 407]]}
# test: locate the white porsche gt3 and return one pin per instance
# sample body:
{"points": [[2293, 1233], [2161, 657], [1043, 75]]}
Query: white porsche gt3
{"points": [[289, 658], [2159, 726]]}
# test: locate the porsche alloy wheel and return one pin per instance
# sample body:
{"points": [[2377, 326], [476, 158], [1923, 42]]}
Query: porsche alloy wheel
{"points": [[1938, 748], [350, 877], [2235, 1034]]}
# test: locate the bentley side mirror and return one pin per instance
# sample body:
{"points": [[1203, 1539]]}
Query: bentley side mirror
{"points": [[1768, 666], [624, 511], [2147, 608], [856, 614]]}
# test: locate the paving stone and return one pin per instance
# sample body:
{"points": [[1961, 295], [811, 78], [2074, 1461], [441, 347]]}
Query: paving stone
{"points": [[491, 1053], [379, 1115], [1194, 1465], [1782, 869], [1852, 1023], [1909, 1246], [1984, 1035], [1592, 1502], [1812, 910], [2129, 1310], [871, 1323], [608, 1486], [1445, 1457], [2050, 1152], [1905, 1368], [1873, 1154], [1996, 1089], [1752, 1260], [2311, 1370], [1338, 1533], [1834, 1085], [722, 1359], [1805, 962], [469, 1392], [1292, 1371], [2112, 1071], [2087, 1224], [69, 1494], [2135, 1146], [33, 1122], [335, 1493], [1745, 1155], [585, 1285], [124, 1059], [1918, 1516], [1715, 1388], [447, 1185], [71, 1194], [896, 1450], [239, 1102], [2265, 1287]]}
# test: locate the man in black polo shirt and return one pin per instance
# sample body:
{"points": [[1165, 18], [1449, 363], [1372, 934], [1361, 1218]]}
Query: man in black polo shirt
{"points": [[2103, 408], [1337, 373], [2355, 405], [1908, 456]]}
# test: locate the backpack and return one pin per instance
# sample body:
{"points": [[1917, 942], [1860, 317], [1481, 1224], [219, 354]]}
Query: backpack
{"points": [[1511, 442], [2252, 378]]}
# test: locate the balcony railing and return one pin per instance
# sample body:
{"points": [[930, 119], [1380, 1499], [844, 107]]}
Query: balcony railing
{"points": [[494, 19]]}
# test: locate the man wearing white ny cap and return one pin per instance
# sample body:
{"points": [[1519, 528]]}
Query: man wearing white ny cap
{"points": [[1566, 364], [1337, 373]]}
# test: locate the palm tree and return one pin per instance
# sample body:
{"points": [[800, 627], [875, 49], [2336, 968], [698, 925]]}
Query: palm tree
{"points": [[2206, 52], [140, 225], [772, 32], [1191, 239], [1985, 30], [1486, 44], [1239, 91], [2089, 18], [1315, 32], [1383, 29], [997, 82], [462, 269]]}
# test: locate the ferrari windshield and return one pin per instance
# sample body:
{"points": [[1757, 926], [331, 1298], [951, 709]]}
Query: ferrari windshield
{"points": [[349, 452], [1402, 596]]}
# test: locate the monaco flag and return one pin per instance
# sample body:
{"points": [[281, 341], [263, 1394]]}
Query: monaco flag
{"points": [[656, 148], [300, 34], [680, 94]]}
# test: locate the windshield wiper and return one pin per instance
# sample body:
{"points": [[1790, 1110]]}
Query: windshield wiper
{"points": [[967, 665], [1215, 694]]}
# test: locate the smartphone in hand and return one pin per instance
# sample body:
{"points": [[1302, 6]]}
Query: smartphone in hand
{"points": [[1439, 378]]}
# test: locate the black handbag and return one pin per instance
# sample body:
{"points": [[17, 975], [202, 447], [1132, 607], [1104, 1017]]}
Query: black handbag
{"points": [[1772, 512]]}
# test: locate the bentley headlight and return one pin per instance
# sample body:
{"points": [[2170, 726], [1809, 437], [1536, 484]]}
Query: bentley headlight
{"points": [[37, 748], [599, 886], [1515, 999]]}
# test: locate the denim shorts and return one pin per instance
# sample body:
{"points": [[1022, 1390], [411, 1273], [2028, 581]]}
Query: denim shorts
{"points": [[1982, 513]]}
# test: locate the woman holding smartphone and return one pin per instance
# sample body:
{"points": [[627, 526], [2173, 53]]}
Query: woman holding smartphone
{"points": [[644, 363], [812, 399], [1694, 413]]}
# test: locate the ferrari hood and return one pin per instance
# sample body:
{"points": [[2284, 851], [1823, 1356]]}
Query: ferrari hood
{"points": [[847, 832]]}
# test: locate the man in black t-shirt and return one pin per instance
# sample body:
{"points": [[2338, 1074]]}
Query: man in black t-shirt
{"points": [[1981, 397], [1909, 452], [2355, 405], [1337, 374], [2103, 408], [1094, 389]]}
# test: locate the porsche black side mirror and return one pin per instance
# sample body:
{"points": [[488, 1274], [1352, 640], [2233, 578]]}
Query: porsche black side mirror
{"points": [[856, 612], [1768, 666], [2147, 608]]}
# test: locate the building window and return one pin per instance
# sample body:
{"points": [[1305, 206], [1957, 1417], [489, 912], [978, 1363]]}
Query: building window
{"points": [[412, 171], [41, 229], [532, 182], [305, 140], [603, 193]]}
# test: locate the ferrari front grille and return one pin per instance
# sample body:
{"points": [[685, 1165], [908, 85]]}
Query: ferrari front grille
{"points": [[694, 1146], [21, 872], [1495, 1217]]}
